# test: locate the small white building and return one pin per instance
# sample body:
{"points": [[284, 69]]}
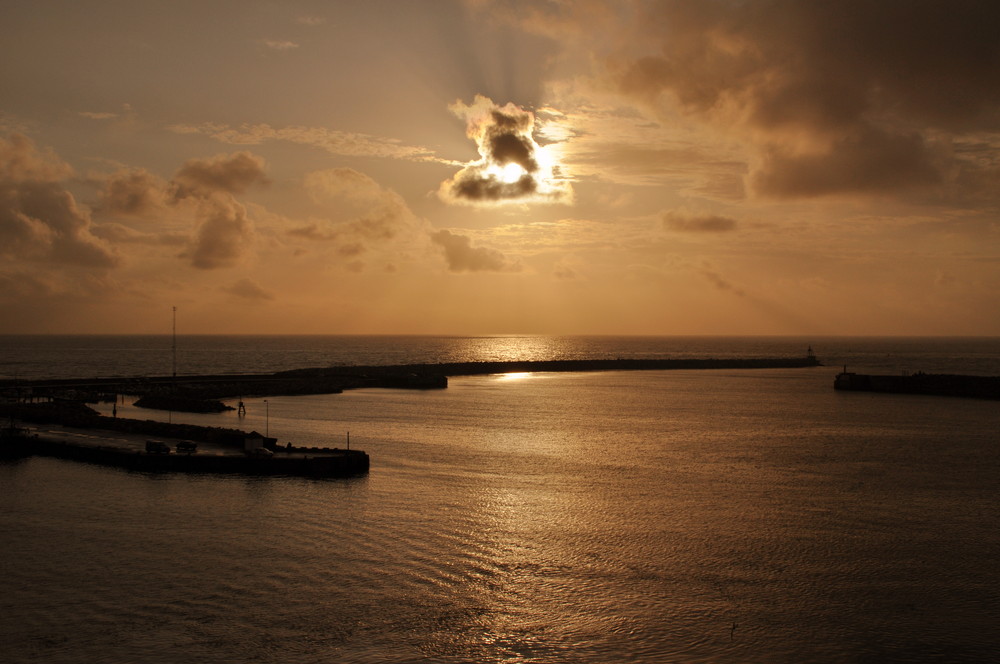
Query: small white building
{"points": [[252, 442]]}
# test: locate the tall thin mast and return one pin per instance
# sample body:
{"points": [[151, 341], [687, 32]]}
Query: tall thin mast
{"points": [[175, 342]]}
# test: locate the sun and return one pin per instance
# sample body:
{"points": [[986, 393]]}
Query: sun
{"points": [[508, 173], [511, 173]]}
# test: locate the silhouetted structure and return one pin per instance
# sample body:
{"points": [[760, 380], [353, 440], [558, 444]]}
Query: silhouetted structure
{"points": [[951, 385]]}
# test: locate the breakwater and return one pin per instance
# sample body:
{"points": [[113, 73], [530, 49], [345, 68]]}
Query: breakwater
{"points": [[334, 379], [429, 371], [321, 463], [84, 435], [951, 385]]}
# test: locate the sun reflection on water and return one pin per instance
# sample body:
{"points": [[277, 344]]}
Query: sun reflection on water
{"points": [[514, 375], [513, 348]]}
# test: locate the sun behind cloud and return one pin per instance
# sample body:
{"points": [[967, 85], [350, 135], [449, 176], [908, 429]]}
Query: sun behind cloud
{"points": [[512, 167]]}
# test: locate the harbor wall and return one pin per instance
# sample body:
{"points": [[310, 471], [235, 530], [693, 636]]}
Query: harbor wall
{"points": [[954, 385], [328, 463]]}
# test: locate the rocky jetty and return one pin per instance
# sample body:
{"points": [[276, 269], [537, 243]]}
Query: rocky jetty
{"points": [[949, 385]]}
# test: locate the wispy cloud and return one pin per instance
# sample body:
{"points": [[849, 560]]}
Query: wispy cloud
{"points": [[311, 20], [248, 289], [97, 116], [126, 113], [279, 45], [343, 143], [685, 222]]}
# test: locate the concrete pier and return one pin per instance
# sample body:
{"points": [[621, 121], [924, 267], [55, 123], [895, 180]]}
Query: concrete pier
{"points": [[129, 451]]}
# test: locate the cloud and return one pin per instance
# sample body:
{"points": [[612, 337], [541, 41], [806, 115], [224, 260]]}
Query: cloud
{"points": [[127, 114], [683, 222], [21, 161], [133, 193], [121, 234], [342, 143], [835, 98], [248, 289], [512, 167], [97, 116], [202, 191], [28, 286], [40, 219], [383, 215], [336, 184], [279, 45], [232, 173], [867, 161], [224, 233], [721, 282], [463, 257]]}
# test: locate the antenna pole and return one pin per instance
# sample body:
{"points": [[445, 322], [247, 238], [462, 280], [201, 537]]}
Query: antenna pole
{"points": [[175, 343]]}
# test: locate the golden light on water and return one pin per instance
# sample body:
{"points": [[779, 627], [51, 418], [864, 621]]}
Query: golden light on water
{"points": [[515, 375]]}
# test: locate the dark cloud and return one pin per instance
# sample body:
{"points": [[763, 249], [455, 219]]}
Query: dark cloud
{"points": [[463, 257], [697, 223], [39, 218], [224, 233], [840, 97], [872, 161], [232, 174], [511, 166], [248, 289]]}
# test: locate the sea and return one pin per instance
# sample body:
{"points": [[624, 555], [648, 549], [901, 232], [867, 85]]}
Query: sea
{"points": [[751, 515]]}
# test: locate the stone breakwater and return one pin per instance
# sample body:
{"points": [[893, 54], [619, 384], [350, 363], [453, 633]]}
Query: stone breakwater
{"points": [[949, 385], [118, 442], [435, 375], [320, 464], [331, 380]]}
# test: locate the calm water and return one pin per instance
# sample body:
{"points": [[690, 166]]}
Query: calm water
{"points": [[607, 517]]}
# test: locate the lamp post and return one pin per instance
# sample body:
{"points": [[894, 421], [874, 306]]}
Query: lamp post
{"points": [[267, 420]]}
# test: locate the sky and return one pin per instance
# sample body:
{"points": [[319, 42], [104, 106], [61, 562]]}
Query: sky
{"points": [[476, 167]]}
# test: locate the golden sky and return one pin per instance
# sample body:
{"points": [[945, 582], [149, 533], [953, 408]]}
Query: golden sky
{"points": [[500, 167]]}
